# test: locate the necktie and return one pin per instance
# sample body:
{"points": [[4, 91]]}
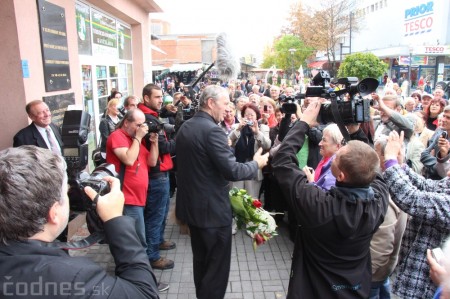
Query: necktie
{"points": [[53, 145]]}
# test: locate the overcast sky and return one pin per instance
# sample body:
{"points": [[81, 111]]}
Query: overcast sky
{"points": [[249, 24]]}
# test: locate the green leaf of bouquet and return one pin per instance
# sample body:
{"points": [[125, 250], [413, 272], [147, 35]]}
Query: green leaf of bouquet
{"points": [[238, 206]]}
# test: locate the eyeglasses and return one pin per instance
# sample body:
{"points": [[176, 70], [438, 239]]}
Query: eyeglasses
{"points": [[140, 125]]}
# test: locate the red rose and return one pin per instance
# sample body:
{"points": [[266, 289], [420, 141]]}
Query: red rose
{"points": [[259, 239], [257, 204]]}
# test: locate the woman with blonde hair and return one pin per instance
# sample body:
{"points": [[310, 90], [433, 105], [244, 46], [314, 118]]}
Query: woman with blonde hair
{"points": [[108, 123], [267, 107]]}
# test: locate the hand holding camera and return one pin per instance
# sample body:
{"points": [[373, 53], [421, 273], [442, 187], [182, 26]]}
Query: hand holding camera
{"points": [[141, 131], [111, 204], [309, 172], [253, 125], [310, 114], [443, 144], [153, 137]]}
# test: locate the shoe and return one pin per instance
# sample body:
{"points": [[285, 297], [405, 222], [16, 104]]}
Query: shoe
{"points": [[162, 264], [163, 286], [167, 245]]}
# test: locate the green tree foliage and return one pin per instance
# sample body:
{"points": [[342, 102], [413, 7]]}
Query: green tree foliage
{"points": [[281, 57], [362, 65]]}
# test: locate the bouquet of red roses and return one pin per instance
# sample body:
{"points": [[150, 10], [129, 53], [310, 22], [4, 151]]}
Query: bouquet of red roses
{"points": [[249, 215]]}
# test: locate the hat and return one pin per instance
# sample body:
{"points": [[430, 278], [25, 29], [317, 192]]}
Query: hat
{"points": [[427, 95], [168, 99]]}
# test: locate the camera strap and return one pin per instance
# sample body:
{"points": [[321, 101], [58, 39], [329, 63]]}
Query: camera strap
{"points": [[81, 244], [338, 119]]}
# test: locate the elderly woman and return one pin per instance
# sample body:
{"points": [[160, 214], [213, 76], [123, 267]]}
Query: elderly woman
{"points": [[432, 112], [330, 144], [247, 138], [240, 103], [108, 124], [229, 119]]}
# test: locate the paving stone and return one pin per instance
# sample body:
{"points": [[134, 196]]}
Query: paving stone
{"points": [[259, 274]]}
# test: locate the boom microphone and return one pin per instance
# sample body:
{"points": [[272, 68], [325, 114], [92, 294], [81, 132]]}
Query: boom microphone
{"points": [[227, 65]]}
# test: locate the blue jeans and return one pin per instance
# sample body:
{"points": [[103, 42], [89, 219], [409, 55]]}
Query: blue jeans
{"points": [[155, 214], [380, 290], [137, 213]]}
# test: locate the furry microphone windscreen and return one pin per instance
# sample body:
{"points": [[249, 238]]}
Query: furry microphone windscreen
{"points": [[227, 65]]}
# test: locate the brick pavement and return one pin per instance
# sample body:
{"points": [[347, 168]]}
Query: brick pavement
{"points": [[258, 275]]}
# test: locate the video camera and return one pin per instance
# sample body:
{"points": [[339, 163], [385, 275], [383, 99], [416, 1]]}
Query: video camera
{"points": [[289, 105], [354, 110]]}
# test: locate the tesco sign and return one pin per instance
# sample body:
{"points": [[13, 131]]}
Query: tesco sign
{"points": [[419, 19]]}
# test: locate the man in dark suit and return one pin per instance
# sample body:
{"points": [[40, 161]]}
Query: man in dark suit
{"points": [[205, 167], [41, 132]]}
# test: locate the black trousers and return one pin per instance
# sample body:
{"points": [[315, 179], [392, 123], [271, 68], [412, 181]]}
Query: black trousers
{"points": [[211, 248]]}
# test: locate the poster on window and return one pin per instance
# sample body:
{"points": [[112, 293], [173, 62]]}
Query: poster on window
{"points": [[124, 36], [83, 29], [104, 35]]}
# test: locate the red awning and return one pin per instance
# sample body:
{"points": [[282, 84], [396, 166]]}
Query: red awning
{"points": [[317, 64]]}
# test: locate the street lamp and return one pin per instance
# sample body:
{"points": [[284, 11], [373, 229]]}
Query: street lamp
{"points": [[341, 38], [292, 50], [411, 49]]}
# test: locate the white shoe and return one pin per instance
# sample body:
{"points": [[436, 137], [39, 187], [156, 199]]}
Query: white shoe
{"points": [[233, 227]]}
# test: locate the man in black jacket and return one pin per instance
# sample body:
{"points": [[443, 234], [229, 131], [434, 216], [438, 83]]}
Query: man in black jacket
{"points": [[41, 132], [331, 254], [34, 209], [158, 195], [205, 167]]}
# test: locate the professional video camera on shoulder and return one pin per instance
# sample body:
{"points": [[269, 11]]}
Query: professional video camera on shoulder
{"points": [[355, 109]]}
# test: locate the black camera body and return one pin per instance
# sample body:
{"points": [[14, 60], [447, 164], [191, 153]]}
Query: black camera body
{"points": [[96, 182], [354, 110], [79, 201], [289, 105], [154, 125]]}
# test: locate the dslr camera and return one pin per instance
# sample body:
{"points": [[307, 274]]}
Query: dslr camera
{"points": [[354, 110], [154, 125]]}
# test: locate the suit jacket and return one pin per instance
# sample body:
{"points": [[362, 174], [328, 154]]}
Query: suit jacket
{"points": [[205, 167], [32, 263], [31, 136]]}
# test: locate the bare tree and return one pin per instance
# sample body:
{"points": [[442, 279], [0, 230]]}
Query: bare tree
{"points": [[322, 28]]}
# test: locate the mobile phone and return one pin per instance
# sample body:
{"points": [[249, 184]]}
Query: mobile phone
{"points": [[437, 254], [265, 108], [444, 135]]}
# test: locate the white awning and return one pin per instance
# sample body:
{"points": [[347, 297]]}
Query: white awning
{"points": [[186, 67]]}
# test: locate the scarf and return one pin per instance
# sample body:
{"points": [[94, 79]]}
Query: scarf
{"points": [[245, 146], [318, 170]]}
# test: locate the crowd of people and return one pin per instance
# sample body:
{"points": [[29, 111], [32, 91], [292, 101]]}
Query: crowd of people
{"points": [[362, 212]]}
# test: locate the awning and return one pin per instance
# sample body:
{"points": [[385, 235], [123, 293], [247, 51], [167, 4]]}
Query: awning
{"points": [[157, 49], [317, 64], [186, 67]]}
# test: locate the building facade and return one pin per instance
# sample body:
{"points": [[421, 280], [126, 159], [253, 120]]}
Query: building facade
{"points": [[69, 52], [413, 37]]}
